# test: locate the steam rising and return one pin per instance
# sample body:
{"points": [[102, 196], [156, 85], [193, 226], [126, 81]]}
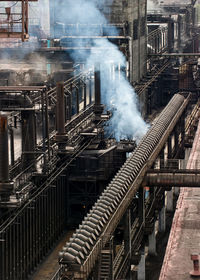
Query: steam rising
{"points": [[117, 93], [153, 5]]}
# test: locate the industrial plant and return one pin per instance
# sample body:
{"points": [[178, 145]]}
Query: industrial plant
{"points": [[99, 140]]}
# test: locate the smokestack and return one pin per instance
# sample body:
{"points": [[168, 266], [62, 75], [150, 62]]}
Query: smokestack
{"points": [[6, 186]]}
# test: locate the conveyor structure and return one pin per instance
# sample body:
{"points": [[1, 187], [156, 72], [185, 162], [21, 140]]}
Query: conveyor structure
{"points": [[81, 252]]}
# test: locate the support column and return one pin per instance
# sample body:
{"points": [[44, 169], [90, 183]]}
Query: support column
{"points": [[127, 229], [5, 185], [141, 206], [61, 136], [170, 207], [127, 237], [60, 113], [152, 242], [12, 151], [162, 157], [68, 107], [28, 137], [141, 266], [162, 217], [98, 108], [169, 147], [176, 138]]}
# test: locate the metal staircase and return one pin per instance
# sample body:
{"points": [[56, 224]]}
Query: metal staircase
{"points": [[105, 265]]}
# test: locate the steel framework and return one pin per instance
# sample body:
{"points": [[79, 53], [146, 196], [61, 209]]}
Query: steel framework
{"points": [[15, 24]]}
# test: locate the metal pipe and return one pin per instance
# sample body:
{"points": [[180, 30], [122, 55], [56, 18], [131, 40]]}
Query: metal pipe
{"points": [[97, 79], [47, 123], [60, 113], [4, 170], [12, 153], [169, 179], [28, 137], [68, 107], [6, 186]]}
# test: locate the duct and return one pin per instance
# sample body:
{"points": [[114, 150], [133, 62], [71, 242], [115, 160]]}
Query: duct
{"points": [[155, 139], [174, 179]]}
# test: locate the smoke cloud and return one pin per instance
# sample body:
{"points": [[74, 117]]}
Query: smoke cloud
{"points": [[117, 93], [153, 5]]}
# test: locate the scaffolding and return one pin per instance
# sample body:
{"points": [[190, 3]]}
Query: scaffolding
{"points": [[14, 19]]}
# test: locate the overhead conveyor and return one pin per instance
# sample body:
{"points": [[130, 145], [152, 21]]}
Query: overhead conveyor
{"points": [[115, 199]]}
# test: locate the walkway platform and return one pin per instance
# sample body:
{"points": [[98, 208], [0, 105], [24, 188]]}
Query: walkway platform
{"points": [[184, 238]]}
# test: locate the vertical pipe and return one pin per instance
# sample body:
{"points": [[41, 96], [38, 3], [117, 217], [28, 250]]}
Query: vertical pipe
{"points": [[43, 131], [52, 11], [60, 113], [141, 206], [162, 216], [28, 137], [97, 78], [4, 170], [26, 16], [47, 123], [152, 242], [169, 147], [85, 95], [77, 100], [68, 107], [23, 13], [12, 153], [141, 267], [90, 90]]}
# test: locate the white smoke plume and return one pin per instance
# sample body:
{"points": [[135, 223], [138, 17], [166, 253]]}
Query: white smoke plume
{"points": [[151, 5], [117, 93], [154, 5]]}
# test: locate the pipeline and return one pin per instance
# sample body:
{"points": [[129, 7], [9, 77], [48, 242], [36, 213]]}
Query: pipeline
{"points": [[84, 247]]}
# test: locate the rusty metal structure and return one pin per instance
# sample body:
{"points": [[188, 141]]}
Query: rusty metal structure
{"points": [[14, 24], [98, 226], [59, 167]]}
